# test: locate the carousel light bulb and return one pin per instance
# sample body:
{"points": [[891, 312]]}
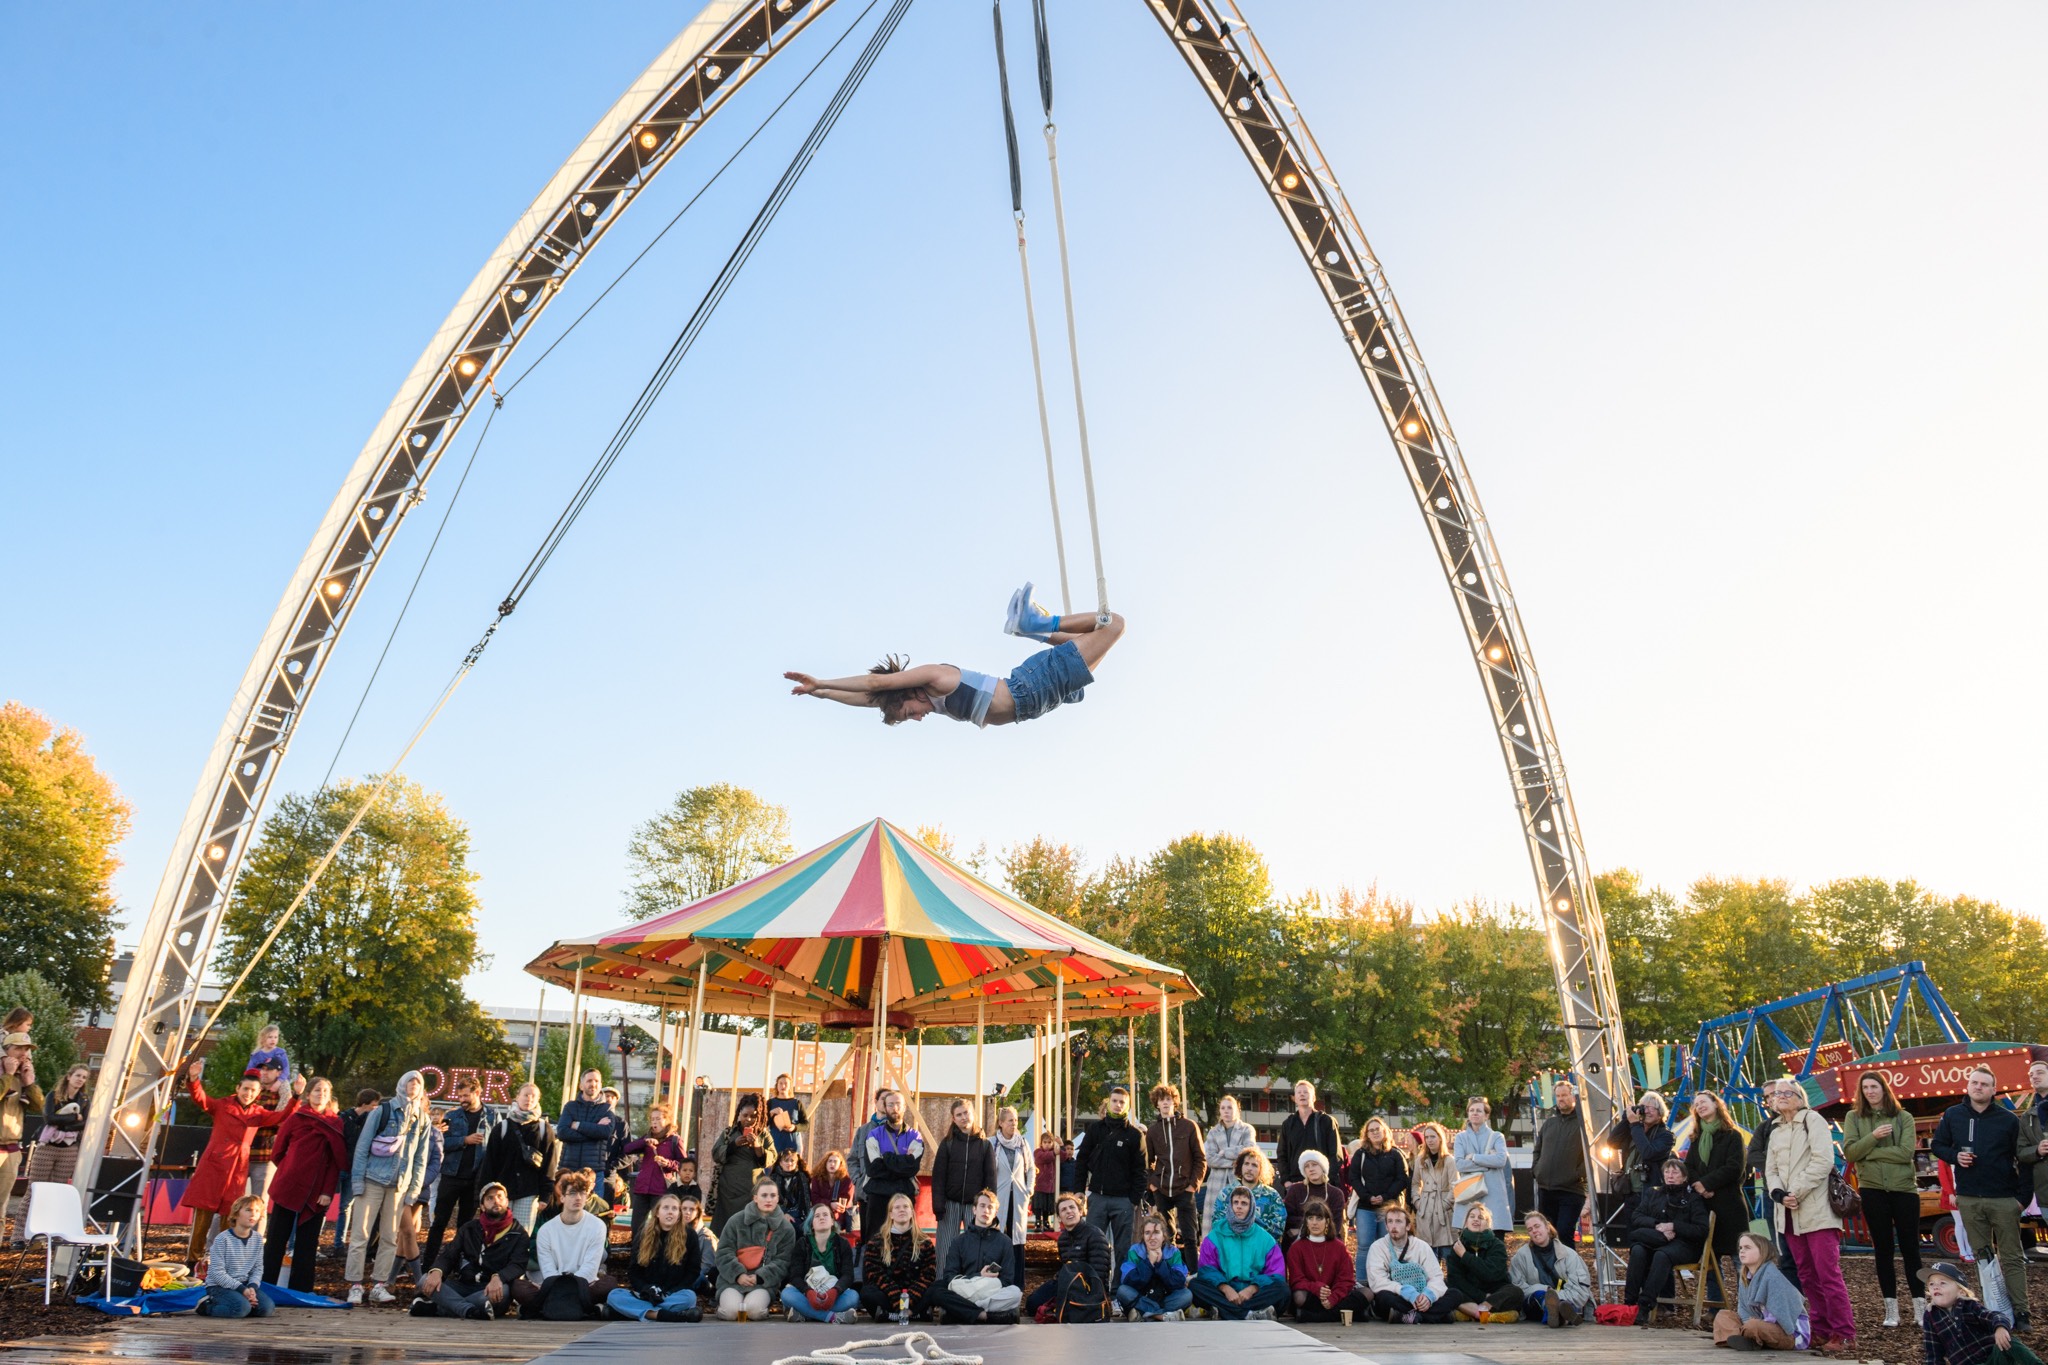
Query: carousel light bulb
{"points": [[335, 588], [1290, 181], [216, 852], [131, 1120], [467, 365], [649, 141], [1411, 427], [1496, 653]]}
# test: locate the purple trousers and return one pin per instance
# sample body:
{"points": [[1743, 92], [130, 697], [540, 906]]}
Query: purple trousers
{"points": [[1818, 1255]]}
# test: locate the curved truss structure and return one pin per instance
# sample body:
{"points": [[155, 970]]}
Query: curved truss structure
{"points": [[642, 132]]}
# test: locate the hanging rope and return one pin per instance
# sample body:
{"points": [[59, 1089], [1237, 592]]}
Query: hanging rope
{"points": [[1052, 487], [1059, 217]]}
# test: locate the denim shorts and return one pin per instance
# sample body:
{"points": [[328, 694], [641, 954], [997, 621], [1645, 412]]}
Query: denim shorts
{"points": [[1049, 678]]}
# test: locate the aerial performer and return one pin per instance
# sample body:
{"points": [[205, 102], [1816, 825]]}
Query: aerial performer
{"points": [[1049, 678]]}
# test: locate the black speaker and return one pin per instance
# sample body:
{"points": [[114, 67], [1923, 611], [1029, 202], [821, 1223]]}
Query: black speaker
{"points": [[115, 1191]]}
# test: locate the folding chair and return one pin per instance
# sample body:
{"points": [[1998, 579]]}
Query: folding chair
{"points": [[1708, 1261], [55, 1214]]}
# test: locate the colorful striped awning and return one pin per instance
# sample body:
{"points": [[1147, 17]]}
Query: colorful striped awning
{"points": [[823, 930]]}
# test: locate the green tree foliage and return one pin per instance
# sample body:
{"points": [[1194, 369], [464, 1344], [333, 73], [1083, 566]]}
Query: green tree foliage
{"points": [[554, 1055], [1360, 989], [55, 1039], [707, 839], [467, 1038], [60, 821], [1499, 1005], [230, 1055], [372, 962]]}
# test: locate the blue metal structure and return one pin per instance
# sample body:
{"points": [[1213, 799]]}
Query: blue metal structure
{"points": [[1894, 1008]]}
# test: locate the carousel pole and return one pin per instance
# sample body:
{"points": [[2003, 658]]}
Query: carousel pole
{"points": [[1166, 1040], [1065, 1097], [768, 1060], [573, 1044], [533, 1054], [980, 1064], [1180, 1014], [881, 1011], [917, 1084], [696, 1036], [1131, 1058], [732, 1096]]}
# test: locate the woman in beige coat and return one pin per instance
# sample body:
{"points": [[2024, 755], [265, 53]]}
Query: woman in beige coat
{"points": [[1796, 1171]]}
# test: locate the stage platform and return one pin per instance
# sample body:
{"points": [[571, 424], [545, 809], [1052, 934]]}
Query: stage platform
{"points": [[376, 1336]]}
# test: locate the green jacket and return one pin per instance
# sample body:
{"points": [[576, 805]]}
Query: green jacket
{"points": [[2032, 1131], [1481, 1270], [1881, 1163]]}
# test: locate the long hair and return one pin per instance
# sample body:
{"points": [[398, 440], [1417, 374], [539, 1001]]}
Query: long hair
{"points": [[1722, 1114], [1365, 1142], [1443, 1139], [891, 699], [1265, 1165], [1889, 1106], [62, 1092], [674, 1244], [889, 1228]]}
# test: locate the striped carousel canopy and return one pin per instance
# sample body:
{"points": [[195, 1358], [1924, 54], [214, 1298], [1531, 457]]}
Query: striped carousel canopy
{"points": [[873, 908]]}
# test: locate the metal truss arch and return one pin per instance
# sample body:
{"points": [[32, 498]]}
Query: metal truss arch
{"points": [[716, 54]]}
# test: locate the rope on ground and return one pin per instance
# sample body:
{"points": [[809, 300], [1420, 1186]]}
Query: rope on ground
{"points": [[1052, 487], [918, 1348]]}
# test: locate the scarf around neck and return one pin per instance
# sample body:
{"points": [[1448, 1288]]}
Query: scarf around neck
{"points": [[1708, 1128], [494, 1228], [1241, 1226]]}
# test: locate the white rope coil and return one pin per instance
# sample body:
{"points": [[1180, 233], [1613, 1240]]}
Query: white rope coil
{"points": [[919, 1348]]}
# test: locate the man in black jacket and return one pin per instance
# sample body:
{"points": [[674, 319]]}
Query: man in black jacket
{"points": [[465, 1147], [1113, 1166], [1178, 1168], [474, 1275], [1306, 1129], [1980, 1139]]}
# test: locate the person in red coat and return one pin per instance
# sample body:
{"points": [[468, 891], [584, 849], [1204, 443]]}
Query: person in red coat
{"points": [[310, 1158], [1320, 1276], [222, 1175]]}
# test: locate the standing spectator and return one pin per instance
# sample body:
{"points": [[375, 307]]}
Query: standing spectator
{"points": [[465, 1157], [1014, 1174], [352, 1122], [833, 1187], [586, 1128], [1878, 1139], [1230, 1136], [1556, 1290], [474, 1274], [64, 1110], [1796, 1171], [269, 1050], [1242, 1274], [896, 1261], [1255, 1174], [413, 1213], [785, 1115], [1403, 1280], [1314, 1187], [792, 1185], [1320, 1275], [741, 1154], [895, 1154], [1558, 1164], [661, 1159], [1482, 1150], [755, 1249], [387, 1170], [1378, 1175], [1667, 1229], [977, 1279], [310, 1161], [821, 1286], [234, 1266], [1113, 1170], [1753, 1171], [1431, 1175], [1476, 1273], [1770, 1311], [222, 1175], [1152, 1283], [1306, 1129], [857, 1156], [524, 1154], [573, 1243], [1713, 1171], [1178, 1168], [1045, 1157], [1642, 1135], [1980, 1137], [963, 1165], [271, 1095], [1070, 1166]]}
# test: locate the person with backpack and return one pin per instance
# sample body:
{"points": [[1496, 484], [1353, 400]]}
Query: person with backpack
{"points": [[1152, 1282], [1241, 1273], [1402, 1277], [755, 1248], [525, 1155], [570, 1249], [662, 1275], [587, 1129], [1113, 1170], [1079, 1290], [386, 1173], [896, 1262], [977, 1279], [820, 1286], [963, 1165], [473, 1275], [857, 1157]]}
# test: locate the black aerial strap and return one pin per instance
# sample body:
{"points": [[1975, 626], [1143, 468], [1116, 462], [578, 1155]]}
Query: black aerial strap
{"points": [[1009, 121]]}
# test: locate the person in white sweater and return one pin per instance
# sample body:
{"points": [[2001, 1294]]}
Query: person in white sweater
{"points": [[234, 1266], [1402, 1277], [575, 1242]]}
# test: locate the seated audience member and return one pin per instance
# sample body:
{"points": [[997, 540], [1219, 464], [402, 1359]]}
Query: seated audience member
{"points": [[1152, 1283], [1959, 1330], [831, 1185], [1668, 1230], [1770, 1312], [821, 1276], [1254, 1173], [754, 1253], [1402, 1276], [234, 1266], [473, 1275], [1320, 1277], [707, 1244], [1241, 1274], [570, 1247], [897, 1265], [793, 1180], [1556, 1290], [978, 1282], [1084, 1248], [1314, 1186], [1477, 1272], [666, 1265]]}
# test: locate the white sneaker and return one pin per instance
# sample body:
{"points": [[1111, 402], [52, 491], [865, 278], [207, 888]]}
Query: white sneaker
{"points": [[1132, 1315], [382, 1294], [1891, 1312], [843, 1318], [1175, 1316], [355, 1295], [1919, 1312], [1259, 1315]]}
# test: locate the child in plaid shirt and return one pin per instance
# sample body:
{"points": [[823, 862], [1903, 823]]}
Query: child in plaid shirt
{"points": [[1960, 1330]]}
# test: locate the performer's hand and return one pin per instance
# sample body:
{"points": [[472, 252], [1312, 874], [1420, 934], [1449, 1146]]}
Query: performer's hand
{"points": [[193, 1072], [298, 1086], [805, 684]]}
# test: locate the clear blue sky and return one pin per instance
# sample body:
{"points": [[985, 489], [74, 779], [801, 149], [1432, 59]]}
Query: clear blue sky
{"points": [[1739, 313]]}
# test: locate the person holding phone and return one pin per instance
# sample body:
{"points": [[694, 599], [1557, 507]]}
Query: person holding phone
{"points": [[977, 1281]]}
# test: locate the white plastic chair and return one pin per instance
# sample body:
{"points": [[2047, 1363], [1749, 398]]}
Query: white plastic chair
{"points": [[56, 1215]]}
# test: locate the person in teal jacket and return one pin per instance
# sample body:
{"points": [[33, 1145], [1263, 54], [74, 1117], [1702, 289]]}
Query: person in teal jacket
{"points": [[1241, 1273]]}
